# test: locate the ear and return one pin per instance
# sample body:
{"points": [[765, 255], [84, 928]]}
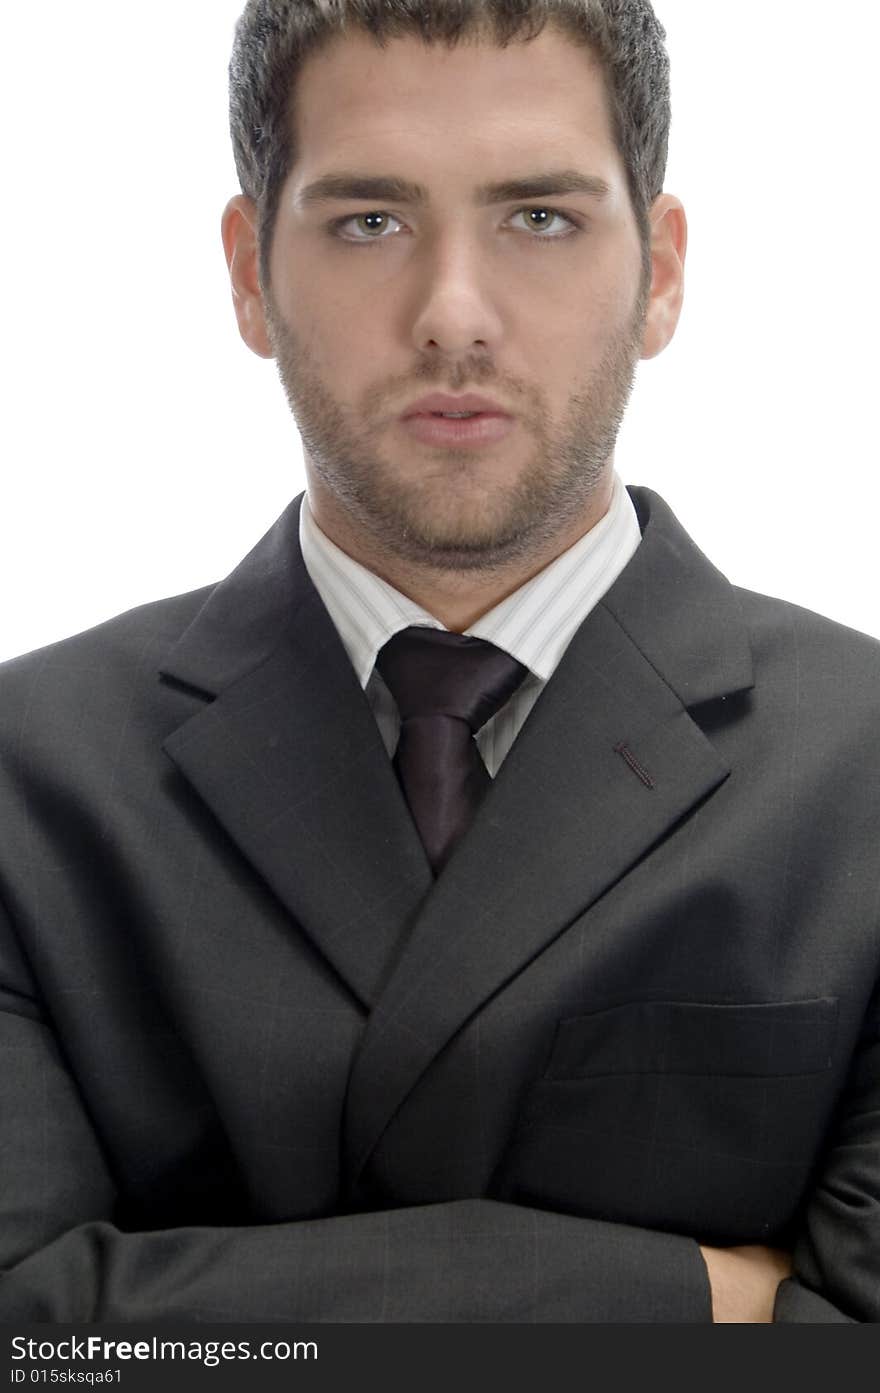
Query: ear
{"points": [[239, 229], [669, 237]]}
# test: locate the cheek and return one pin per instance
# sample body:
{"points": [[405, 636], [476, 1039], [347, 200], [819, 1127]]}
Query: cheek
{"points": [[560, 350], [573, 306], [331, 337]]}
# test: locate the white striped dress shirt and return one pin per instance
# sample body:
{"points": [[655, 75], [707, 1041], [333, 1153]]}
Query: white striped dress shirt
{"points": [[535, 624]]}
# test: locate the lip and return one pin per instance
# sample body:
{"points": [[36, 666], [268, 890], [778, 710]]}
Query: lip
{"points": [[438, 401], [474, 433]]}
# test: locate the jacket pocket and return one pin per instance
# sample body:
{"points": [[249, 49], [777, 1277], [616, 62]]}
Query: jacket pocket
{"points": [[697, 1118]]}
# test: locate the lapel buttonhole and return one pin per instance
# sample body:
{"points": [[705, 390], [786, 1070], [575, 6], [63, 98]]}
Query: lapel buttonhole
{"points": [[635, 765]]}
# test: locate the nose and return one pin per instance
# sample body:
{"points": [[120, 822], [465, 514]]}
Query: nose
{"points": [[456, 307]]}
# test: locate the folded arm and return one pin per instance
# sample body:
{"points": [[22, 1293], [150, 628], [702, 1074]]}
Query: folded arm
{"points": [[837, 1253], [63, 1259]]}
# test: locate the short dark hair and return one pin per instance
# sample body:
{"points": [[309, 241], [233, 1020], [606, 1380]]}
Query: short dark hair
{"points": [[274, 37]]}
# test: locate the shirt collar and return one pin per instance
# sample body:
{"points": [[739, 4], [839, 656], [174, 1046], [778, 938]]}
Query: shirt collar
{"points": [[534, 624]]}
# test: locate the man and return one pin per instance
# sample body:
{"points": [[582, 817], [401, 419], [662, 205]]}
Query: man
{"points": [[320, 1008]]}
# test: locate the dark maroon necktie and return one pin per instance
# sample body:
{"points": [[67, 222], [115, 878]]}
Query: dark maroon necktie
{"points": [[447, 686]]}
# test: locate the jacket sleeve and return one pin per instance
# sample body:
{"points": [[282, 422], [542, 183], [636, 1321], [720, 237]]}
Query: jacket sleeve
{"points": [[63, 1259], [837, 1255]]}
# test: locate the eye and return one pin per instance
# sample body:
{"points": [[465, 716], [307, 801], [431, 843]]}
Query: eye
{"points": [[369, 227], [539, 220]]}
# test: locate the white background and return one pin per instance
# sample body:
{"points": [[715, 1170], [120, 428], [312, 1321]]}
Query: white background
{"points": [[145, 449]]}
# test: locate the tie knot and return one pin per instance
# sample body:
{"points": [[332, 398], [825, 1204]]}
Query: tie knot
{"points": [[431, 672]]}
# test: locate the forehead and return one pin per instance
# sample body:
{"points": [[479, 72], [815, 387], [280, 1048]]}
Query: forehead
{"points": [[359, 106]]}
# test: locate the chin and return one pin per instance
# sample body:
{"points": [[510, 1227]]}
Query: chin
{"points": [[462, 522], [459, 542]]}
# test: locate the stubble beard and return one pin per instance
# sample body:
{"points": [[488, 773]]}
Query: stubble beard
{"points": [[453, 515]]}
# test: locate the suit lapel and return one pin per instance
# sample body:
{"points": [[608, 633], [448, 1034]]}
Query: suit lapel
{"points": [[608, 762], [289, 759], [286, 754]]}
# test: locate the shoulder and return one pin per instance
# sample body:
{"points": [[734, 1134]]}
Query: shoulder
{"points": [[810, 645], [671, 581], [91, 678], [158, 623], [813, 714]]}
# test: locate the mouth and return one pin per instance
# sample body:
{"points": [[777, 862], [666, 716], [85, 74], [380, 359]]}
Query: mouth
{"points": [[477, 429], [458, 421], [445, 404]]}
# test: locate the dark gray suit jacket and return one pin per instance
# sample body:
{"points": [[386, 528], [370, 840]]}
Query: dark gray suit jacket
{"points": [[258, 1066]]}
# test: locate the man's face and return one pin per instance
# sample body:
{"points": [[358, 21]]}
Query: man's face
{"points": [[531, 298]]}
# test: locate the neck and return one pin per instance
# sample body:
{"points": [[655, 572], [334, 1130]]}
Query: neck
{"points": [[457, 598]]}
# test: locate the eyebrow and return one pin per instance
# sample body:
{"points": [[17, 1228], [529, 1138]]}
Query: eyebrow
{"points": [[365, 188]]}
